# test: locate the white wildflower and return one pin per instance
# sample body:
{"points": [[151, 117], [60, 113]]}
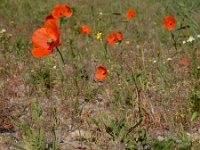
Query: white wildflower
{"points": [[154, 61], [169, 59], [190, 39], [54, 67], [2, 31], [184, 42]]}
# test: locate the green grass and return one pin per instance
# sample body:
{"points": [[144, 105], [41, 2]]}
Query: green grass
{"points": [[149, 92]]}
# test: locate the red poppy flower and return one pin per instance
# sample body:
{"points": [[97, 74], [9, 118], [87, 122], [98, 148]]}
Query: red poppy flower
{"points": [[113, 38], [46, 39], [62, 11], [185, 61], [101, 73], [131, 14], [86, 30], [170, 23]]}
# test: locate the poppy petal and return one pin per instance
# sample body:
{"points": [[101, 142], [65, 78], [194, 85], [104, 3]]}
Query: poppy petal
{"points": [[51, 26], [40, 38], [49, 17], [68, 11], [41, 52], [61, 11]]}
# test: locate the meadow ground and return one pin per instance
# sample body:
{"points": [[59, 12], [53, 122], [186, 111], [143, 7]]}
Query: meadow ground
{"points": [[150, 98]]}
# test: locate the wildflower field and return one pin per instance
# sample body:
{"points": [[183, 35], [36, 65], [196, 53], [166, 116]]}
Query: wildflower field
{"points": [[99, 75]]}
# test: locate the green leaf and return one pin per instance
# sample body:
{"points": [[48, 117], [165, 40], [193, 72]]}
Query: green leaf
{"points": [[194, 116], [117, 14]]}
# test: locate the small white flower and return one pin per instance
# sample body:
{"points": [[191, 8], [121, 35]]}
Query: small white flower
{"points": [[169, 59], [154, 61], [54, 67], [190, 39], [2, 31], [100, 13], [198, 67], [184, 42], [198, 36]]}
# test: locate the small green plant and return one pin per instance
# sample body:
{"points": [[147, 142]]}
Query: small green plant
{"points": [[163, 145], [21, 47], [42, 77], [34, 137], [121, 133], [186, 142]]}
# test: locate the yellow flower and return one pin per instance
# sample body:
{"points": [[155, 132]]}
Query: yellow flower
{"points": [[99, 36]]}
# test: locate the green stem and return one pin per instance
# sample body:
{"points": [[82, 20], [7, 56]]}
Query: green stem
{"points": [[174, 40], [60, 55], [104, 45], [138, 91], [63, 79]]}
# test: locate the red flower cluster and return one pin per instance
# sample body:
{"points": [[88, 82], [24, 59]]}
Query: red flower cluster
{"points": [[47, 38]]}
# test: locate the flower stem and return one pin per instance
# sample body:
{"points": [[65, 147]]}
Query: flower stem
{"points": [[60, 55], [174, 40], [105, 49]]}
